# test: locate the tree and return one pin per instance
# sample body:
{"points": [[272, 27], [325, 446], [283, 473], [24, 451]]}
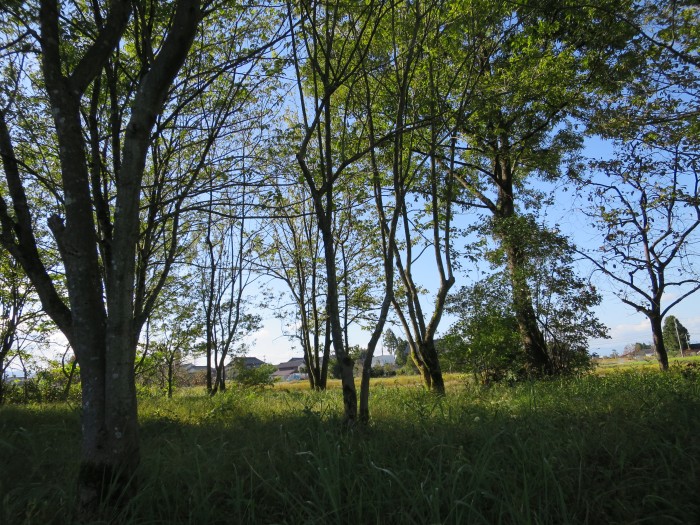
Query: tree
{"points": [[405, 85], [329, 43], [293, 256], [22, 323], [647, 210], [257, 377], [99, 320], [484, 340], [386, 109], [171, 334], [108, 80], [562, 302], [390, 341], [539, 64], [226, 272], [676, 336], [645, 199]]}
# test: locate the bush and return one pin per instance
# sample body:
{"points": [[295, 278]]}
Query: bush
{"points": [[49, 385], [259, 377], [382, 371]]}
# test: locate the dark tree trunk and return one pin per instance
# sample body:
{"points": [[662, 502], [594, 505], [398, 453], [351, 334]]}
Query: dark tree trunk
{"points": [[372, 345], [170, 379], [437, 384], [326, 357], [425, 357], [658, 338], [99, 322], [421, 366], [210, 382], [531, 336], [364, 387], [69, 380], [346, 363], [508, 232], [4, 350], [110, 445]]}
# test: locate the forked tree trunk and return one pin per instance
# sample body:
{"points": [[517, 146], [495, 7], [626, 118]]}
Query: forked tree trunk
{"points": [[101, 324], [437, 384], [425, 357], [422, 367]]}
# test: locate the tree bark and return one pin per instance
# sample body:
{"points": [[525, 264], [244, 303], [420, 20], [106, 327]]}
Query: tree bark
{"points": [[531, 336], [506, 231], [346, 363], [658, 338]]}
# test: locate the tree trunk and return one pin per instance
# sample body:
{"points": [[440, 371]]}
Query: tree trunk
{"points": [[210, 382], [426, 359], [364, 387], [346, 364], [69, 381], [326, 357], [4, 350], [437, 384], [170, 379], [658, 338], [421, 366], [110, 445], [371, 347], [531, 336]]}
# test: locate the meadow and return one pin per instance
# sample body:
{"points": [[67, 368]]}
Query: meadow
{"points": [[621, 447]]}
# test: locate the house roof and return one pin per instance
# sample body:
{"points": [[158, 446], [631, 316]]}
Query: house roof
{"points": [[250, 362], [294, 362], [191, 367]]}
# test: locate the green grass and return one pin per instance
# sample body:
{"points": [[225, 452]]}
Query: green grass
{"points": [[650, 363], [618, 448]]}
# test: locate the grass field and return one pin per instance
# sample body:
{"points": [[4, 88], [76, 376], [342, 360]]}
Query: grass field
{"points": [[622, 447], [650, 363]]}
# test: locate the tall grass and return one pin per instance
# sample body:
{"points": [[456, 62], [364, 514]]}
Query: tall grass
{"points": [[619, 448]]}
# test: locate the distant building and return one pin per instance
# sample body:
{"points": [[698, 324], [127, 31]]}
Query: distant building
{"points": [[248, 362], [382, 360], [291, 370], [191, 368], [638, 351]]}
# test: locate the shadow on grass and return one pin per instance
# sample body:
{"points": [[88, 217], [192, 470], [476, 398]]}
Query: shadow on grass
{"points": [[593, 451]]}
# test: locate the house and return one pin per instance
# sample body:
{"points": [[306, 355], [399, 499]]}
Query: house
{"points": [[291, 370], [191, 368], [382, 360], [248, 363]]}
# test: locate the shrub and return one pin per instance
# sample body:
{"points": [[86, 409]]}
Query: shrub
{"points": [[49, 385], [259, 377]]}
